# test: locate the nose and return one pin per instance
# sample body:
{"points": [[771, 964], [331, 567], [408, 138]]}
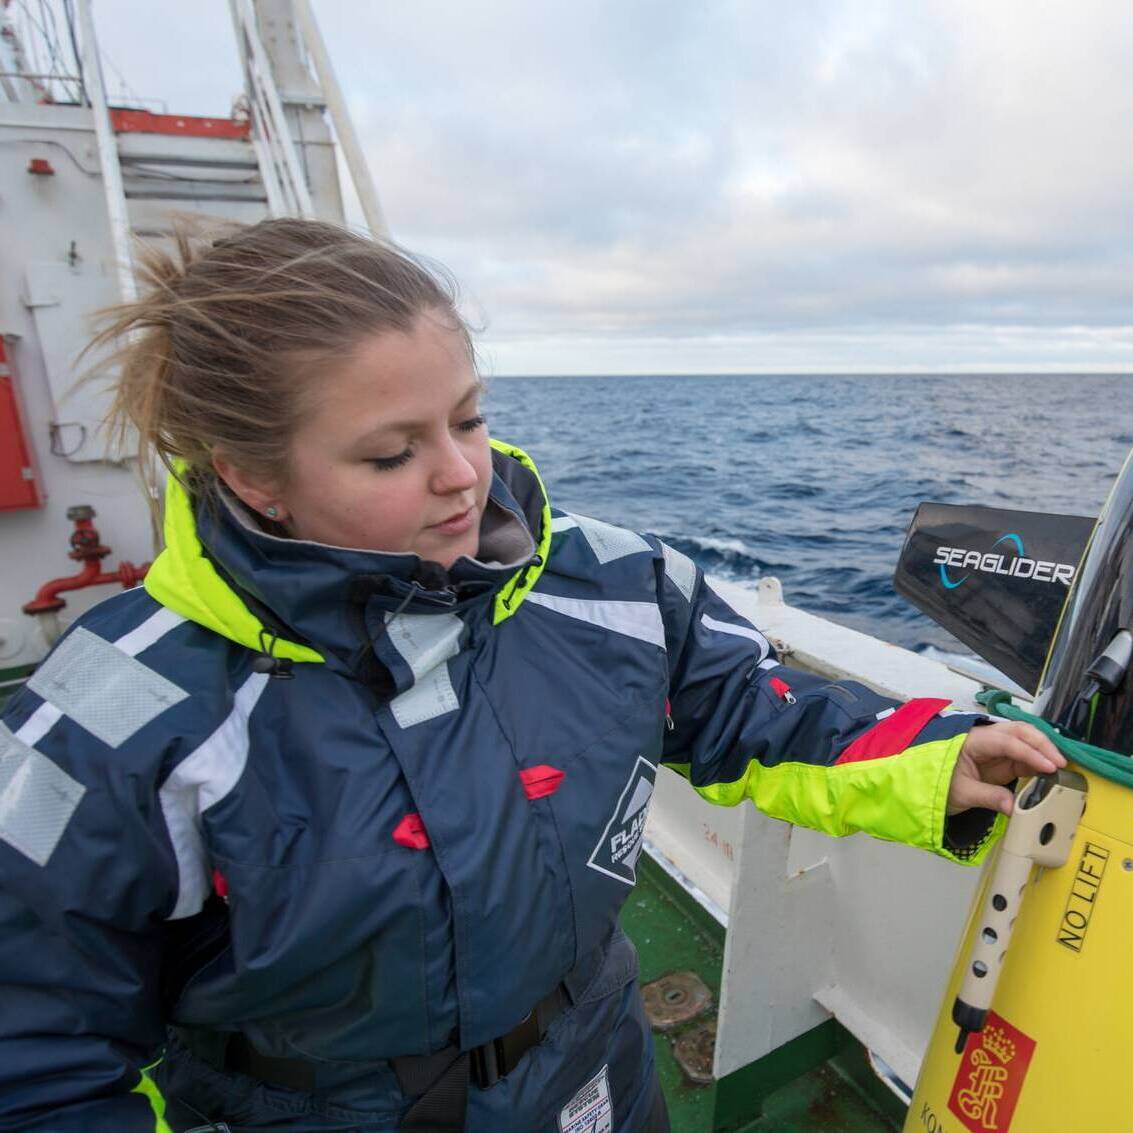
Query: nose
{"points": [[454, 472]]}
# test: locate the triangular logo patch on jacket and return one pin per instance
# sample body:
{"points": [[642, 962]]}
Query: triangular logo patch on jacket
{"points": [[618, 848]]}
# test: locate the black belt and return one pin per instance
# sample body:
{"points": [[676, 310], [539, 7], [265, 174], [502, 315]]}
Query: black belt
{"points": [[487, 1063], [291, 1073], [439, 1081], [491, 1061]]}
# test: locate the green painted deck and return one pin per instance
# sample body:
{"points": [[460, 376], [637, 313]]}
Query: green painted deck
{"points": [[820, 1081], [11, 679]]}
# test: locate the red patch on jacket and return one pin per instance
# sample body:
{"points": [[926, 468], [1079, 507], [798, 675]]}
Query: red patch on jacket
{"points": [[894, 733], [541, 781], [410, 832]]}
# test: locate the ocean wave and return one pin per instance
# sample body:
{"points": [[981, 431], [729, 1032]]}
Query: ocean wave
{"points": [[793, 491], [732, 559]]}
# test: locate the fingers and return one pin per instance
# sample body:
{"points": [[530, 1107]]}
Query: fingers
{"points": [[1038, 742], [1028, 757], [995, 754], [1022, 744], [973, 792]]}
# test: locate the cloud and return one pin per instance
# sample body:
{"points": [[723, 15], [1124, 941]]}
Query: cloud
{"points": [[858, 176]]}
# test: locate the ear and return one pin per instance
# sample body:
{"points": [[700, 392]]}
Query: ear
{"points": [[258, 494]]}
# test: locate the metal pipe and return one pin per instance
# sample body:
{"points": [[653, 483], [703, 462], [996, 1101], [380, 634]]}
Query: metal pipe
{"points": [[79, 127], [87, 548], [47, 598], [340, 116], [50, 627], [107, 155], [39, 75]]}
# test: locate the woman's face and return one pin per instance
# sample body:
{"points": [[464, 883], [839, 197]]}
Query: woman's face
{"points": [[393, 454]]}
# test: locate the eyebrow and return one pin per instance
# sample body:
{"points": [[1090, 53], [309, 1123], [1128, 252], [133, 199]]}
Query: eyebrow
{"points": [[473, 391]]}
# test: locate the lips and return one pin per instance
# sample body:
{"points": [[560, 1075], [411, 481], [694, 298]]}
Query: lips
{"points": [[456, 524]]}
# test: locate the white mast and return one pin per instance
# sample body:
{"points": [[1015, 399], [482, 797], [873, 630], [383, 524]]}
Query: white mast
{"points": [[343, 125], [107, 154]]}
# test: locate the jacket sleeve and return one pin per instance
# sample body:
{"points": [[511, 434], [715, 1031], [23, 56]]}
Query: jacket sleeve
{"points": [[831, 755], [87, 878]]}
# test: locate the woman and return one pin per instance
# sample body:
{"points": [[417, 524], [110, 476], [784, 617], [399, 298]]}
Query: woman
{"points": [[328, 827]]}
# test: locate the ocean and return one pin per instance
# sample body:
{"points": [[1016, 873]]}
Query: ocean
{"points": [[814, 479]]}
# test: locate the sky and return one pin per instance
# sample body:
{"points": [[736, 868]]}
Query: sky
{"points": [[652, 186]]}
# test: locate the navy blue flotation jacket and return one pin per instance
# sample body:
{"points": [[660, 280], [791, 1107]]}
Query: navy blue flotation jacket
{"points": [[354, 807]]}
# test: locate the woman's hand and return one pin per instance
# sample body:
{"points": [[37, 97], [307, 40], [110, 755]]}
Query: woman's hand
{"points": [[994, 754]]}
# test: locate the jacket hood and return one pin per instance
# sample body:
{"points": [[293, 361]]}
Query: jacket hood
{"points": [[301, 600]]}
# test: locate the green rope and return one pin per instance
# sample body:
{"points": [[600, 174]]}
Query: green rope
{"points": [[1108, 764]]}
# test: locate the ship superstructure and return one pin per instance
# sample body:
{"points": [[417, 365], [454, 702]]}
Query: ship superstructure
{"points": [[82, 179]]}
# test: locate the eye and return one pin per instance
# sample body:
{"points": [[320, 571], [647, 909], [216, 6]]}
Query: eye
{"points": [[386, 462], [472, 424]]}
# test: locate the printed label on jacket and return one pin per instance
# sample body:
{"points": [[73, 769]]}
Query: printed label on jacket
{"points": [[618, 848], [589, 1111]]}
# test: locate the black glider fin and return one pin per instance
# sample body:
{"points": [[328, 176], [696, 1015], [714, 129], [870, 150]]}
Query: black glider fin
{"points": [[995, 579]]}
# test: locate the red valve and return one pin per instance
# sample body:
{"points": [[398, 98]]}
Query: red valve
{"points": [[87, 548]]}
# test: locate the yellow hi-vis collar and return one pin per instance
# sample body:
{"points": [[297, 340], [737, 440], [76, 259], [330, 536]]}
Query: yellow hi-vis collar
{"points": [[183, 579]]}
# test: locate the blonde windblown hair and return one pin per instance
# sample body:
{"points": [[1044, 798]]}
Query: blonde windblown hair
{"points": [[226, 340]]}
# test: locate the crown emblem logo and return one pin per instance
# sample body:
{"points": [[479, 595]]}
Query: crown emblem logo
{"points": [[996, 1042], [990, 1077]]}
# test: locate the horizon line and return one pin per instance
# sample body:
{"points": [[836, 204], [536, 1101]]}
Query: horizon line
{"points": [[1122, 373]]}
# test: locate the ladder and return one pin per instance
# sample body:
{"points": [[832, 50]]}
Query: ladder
{"points": [[145, 175], [282, 174]]}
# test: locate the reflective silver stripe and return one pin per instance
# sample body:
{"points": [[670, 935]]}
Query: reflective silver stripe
{"points": [[769, 664], [431, 696], [609, 542], [634, 619], [101, 688], [37, 799], [739, 631], [38, 724], [563, 523], [680, 569], [426, 641], [155, 627], [203, 778], [47, 715]]}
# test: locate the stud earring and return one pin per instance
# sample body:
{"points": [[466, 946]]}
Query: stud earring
{"points": [[271, 511]]}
